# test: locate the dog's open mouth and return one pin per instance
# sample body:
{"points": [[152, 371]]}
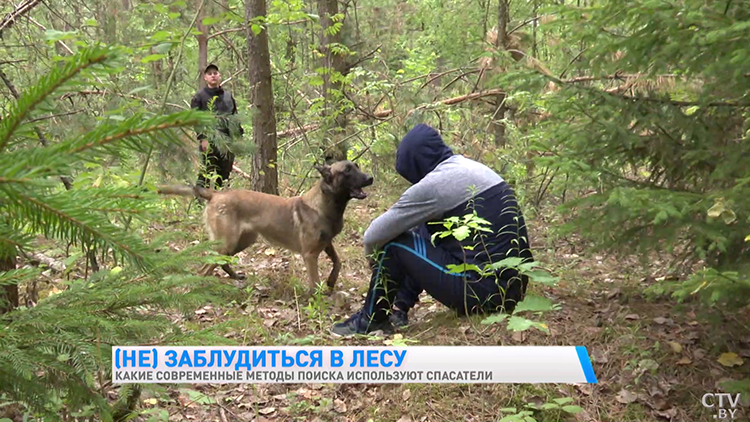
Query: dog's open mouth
{"points": [[357, 193]]}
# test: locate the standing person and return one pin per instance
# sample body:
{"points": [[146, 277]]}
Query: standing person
{"points": [[444, 185], [216, 157]]}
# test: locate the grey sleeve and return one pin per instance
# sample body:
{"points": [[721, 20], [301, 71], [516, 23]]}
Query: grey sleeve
{"points": [[417, 205]]}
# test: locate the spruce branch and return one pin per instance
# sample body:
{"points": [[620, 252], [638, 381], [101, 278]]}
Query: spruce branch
{"points": [[21, 108], [57, 216]]}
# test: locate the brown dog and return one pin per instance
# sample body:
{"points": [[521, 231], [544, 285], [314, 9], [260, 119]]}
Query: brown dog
{"points": [[303, 224]]}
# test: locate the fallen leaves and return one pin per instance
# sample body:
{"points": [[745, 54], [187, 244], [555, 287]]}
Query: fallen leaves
{"points": [[699, 354], [633, 317], [339, 406], [599, 356], [667, 414], [267, 410], [269, 322], [662, 321], [730, 359], [585, 389], [676, 347], [626, 397], [646, 365]]}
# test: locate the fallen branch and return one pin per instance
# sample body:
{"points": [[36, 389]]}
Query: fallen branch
{"points": [[12, 61], [447, 101], [11, 17], [616, 76], [52, 116], [38, 258], [241, 173], [297, 130]]}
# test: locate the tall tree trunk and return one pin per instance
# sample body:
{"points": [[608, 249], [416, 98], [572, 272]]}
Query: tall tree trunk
{"points": [[202, 39], [8, 294], [327, 9], [502, 35], [122, 20], [534, 26], [265, 176]]}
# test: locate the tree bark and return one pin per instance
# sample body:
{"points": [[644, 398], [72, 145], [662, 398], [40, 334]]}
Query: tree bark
{"points": [[9, 294], [9, 298], [12, 17], [502, 35], [202, 39], [336, 63], [265, 176]]}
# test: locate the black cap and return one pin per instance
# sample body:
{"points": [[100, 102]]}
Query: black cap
{"points": [[211, 66]]}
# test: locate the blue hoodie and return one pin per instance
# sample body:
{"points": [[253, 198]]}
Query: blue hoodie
{"points": [[443, 185], [419, 152]]}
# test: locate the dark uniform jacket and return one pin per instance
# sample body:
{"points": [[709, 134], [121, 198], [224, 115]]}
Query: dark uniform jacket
{"points": [[223, 104]]}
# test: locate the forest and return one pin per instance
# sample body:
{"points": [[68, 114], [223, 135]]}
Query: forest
{"points": [[622, 125]]}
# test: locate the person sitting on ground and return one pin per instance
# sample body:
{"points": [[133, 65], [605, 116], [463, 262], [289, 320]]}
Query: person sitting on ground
{"points": [[407, 263], [219, 100]]}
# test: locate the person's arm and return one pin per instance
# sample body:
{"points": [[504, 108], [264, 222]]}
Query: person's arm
{"points": [[416, 206]]}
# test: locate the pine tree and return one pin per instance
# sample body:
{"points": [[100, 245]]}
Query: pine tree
{"points": [[57, 354]]}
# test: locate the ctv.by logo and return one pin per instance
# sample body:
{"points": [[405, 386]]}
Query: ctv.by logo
{"points": [[711, 400]]}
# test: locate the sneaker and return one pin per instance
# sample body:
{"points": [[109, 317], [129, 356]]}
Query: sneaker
{"points": [[398, 318], [360, 324]]}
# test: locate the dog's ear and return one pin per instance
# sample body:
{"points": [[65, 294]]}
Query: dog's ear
{"points": [[325, 171]]}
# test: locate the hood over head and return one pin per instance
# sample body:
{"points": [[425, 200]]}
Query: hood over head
{"points": [[419, 152]]}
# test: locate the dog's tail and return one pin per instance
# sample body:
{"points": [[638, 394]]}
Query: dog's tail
{"points": [[186, 190]]}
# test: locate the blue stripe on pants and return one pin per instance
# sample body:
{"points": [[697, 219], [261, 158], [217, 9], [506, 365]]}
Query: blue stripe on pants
{"points": [[419, 250]]}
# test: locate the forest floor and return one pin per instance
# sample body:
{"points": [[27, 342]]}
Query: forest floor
{"points": [[654, 359]]}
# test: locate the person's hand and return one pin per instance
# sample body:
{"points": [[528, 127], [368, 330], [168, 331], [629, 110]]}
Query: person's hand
{"points": [[204, 145]]}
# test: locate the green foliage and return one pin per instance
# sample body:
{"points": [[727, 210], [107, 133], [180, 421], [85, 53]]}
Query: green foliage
{"points": [[662, 152], [472, 226], [557, 407], [57, 354]]}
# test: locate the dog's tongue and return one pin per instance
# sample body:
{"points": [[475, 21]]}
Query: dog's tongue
{"points": [[358, 193]]}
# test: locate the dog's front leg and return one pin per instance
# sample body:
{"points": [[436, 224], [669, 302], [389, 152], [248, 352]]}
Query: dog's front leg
{"points": [[331, 282], [311, 264]]}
